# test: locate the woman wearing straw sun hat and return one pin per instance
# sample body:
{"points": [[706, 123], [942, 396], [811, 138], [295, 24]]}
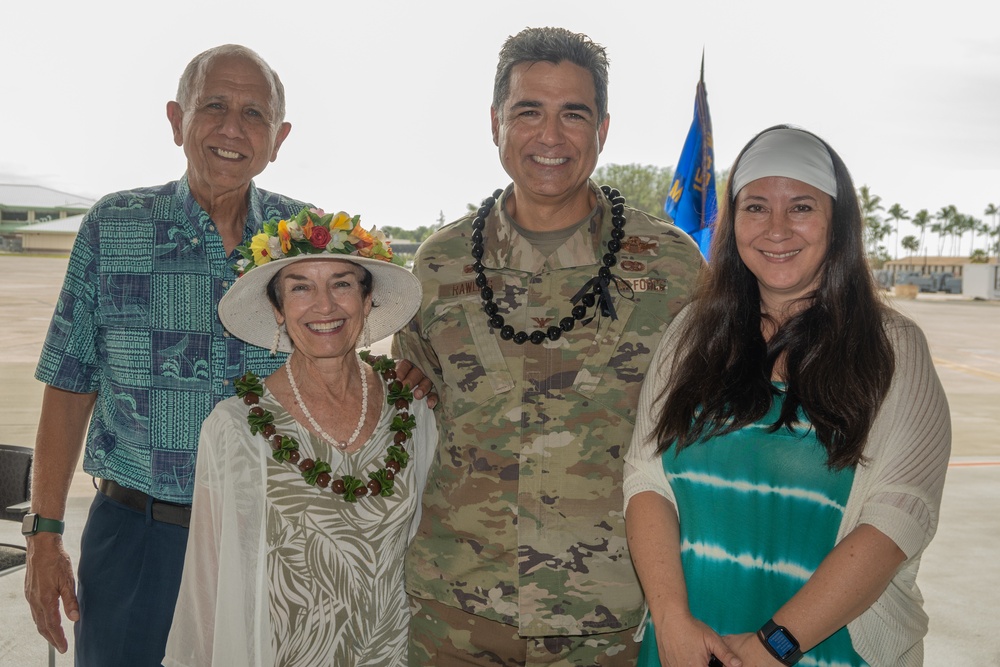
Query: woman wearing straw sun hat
{"points": [[308, 481]]}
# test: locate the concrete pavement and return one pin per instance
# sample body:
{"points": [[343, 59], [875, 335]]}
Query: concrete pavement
{"points": [[960, 574]]}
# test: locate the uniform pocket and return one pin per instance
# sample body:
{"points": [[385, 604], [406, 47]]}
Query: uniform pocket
{"points": [[472, 366], [614, 367]]}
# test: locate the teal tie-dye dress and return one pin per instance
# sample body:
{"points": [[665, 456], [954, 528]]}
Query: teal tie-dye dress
{"points": [[758, 513]]}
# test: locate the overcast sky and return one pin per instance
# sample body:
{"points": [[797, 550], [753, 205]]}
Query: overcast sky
{"points": [[389, 101]]}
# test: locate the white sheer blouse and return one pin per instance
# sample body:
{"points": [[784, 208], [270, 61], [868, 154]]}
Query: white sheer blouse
{"points": [[266, 549]]}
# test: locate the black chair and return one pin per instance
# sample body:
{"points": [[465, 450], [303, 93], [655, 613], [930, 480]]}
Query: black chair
{"points": [[15, 495], [15, 501]]}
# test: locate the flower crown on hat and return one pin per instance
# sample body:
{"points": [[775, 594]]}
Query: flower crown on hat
{"points": [[313, 232]]}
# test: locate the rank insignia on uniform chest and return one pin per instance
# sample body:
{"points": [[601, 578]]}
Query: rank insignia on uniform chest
{"points": [[636, 245], [633, 265]]}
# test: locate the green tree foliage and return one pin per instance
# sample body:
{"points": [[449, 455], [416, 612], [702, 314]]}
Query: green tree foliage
{"points": [[875, 228], [910, 243], [645, 187], [992, 246], [966, 223], [983, 229], [419, 234], [945, 225], [920, 220], [721, 183], [879, 258], [897, 213]]}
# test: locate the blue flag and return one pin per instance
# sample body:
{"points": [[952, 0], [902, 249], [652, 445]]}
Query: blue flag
{"points": [[692, 202]]}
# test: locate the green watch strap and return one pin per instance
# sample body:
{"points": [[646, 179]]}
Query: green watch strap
{"points": [[49, 526], [33, 523]]}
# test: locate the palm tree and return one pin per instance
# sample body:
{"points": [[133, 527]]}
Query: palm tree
{"points": [[920, 220], [983, 229], [910, 243], [870, 206], [963, 223], [897, 213], [938, 228], [972, 225], [944, 226], [993, 210]]}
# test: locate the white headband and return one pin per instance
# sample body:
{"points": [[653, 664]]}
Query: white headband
{"points": [[788, 153]]}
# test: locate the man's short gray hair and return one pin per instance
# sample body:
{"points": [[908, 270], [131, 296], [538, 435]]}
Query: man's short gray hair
{"points": [[552, 45], [194, 77]]}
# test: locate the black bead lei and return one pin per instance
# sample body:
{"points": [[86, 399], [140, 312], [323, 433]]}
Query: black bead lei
{"points": [[597, 290]]}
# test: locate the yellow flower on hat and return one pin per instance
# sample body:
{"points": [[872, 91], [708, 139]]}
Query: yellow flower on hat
{"points": [[258, 246], [342, 221], [285, 236]]}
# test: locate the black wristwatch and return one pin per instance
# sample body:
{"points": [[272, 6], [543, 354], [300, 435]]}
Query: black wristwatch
{"points": [[780, 643], [34, 523]]}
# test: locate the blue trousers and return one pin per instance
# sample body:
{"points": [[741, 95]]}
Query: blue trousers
{"points": [[127, 582]]}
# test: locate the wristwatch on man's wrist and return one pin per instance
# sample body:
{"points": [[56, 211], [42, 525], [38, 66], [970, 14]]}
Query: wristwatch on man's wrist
{"points": [[780, 643], [33, 523]]}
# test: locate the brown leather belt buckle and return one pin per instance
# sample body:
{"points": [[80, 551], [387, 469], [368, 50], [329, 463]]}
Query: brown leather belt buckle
{"points": [[164, 512], [178, 515]]}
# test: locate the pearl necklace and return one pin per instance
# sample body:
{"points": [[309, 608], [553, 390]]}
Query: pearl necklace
{"points": [[596, 290], [319, 429]]}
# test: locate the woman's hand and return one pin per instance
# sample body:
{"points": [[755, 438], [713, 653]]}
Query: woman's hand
{"points": [[687, 642], [654, 541]]}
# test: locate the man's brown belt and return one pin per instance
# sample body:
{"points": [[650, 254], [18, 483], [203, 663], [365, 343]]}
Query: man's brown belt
{"points": [[178, 515]]}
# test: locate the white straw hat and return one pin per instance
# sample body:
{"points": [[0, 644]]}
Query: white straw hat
{"points": [[246, 311]]}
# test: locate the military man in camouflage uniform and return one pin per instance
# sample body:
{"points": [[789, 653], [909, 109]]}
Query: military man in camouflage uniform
{"points": [[520, 556]]}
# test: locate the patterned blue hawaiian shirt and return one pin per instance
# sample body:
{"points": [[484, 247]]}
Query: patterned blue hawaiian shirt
{"points": [[137, 322]]}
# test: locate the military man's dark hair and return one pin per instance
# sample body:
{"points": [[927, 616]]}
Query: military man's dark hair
{"points": [[552, 45]]}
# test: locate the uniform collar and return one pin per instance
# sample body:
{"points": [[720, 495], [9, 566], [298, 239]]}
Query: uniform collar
{"points": [[505, 248]]}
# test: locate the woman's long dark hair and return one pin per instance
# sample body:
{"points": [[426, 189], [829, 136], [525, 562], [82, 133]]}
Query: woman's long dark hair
{"points": [[838, 361]]}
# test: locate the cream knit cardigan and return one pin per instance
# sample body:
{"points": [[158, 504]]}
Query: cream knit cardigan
{"points": [[897, 489]]}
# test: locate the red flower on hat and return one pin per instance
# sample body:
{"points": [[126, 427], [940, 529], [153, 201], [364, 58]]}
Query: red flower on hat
{"points": [[320, 237]]}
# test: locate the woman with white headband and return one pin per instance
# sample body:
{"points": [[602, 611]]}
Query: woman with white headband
{"points": [[786, 469]]}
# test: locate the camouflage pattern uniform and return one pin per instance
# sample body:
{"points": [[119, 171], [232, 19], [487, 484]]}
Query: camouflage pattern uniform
{"points": [[522, 516]]}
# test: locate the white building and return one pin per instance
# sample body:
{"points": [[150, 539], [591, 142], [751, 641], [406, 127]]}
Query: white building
{"points": [[55, 236], [24, 206]]}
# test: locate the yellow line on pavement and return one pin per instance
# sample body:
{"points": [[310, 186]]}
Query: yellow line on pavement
{"points": [[971, 370]]}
